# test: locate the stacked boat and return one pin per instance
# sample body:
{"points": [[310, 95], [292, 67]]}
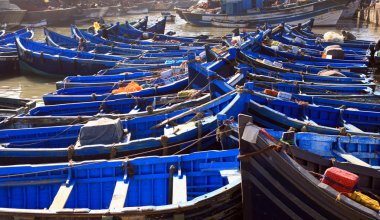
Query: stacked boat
{"points": [[147, 125]]}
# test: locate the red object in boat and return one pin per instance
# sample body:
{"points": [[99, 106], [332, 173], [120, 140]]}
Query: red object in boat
{"points": [[341, 180]]}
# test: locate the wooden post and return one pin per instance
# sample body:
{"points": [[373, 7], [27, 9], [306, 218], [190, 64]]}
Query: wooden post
{"points": [[170, 191]]}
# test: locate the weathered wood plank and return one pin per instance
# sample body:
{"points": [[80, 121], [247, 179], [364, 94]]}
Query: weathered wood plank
{"points": [[179, 189], [119, 194], [62, 196]]}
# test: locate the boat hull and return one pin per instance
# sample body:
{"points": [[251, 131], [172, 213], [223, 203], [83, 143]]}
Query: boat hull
{"points": [[350, 10], [327, 16], [12, 18], [94, 12], [9, 65], [274, 186], [53, 17]]}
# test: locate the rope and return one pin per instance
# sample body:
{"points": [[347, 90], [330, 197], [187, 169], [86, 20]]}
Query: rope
{"points": [[271, 147]]}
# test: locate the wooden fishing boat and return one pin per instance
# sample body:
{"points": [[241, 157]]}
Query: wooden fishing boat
{"points": [[83, 81], [321, 89], [98, 40], [9, 64], [317, 160], [15, 106], [299, 194], [158, 27], [350, 10], [229, 24], [169, 17], [57, 40], [277, 69], [303, 64], [10, 107], [41, 59], [10, 15], [134, 10], [41, 23], [100, 93], [146, 4], [47, 117], [141, 24], [93, 12], [132, 33], [9, 60], [341, 148], [325, 12], [162, 6], [295, 32], [126, 189], [115, 106], [115, 10], [50, 144], [144, 77], [59, 16], [296, 56], [276, 116]]}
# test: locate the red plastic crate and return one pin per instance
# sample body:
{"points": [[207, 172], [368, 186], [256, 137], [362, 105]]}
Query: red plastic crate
{"points": [[341, 180]]}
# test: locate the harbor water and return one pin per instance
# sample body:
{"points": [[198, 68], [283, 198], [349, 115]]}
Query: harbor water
{"points": [[32, 86]]}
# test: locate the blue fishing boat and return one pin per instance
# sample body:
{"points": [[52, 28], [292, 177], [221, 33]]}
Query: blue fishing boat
{"points": [[138, 135], [137, 34], [144, 77], [57, 40], [158, 27], [279, 36], [102, 93], [103, 80], [341, 148], [41, 59], [347, 44], [302, 64], [298, 56], [126, 106], [77, 34], [299, 194], [313, 158], [149, 187], [141, 24], [9, 60], [52, 116]]}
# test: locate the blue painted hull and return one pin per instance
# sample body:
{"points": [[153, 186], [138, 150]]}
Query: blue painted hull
{"points": [[49, 144], [98, 194], [86, 94]]}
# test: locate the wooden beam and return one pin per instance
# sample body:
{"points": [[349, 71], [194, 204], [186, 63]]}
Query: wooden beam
{"points": [[352, 159], [120, 194], [179, 189], [62, 196]]}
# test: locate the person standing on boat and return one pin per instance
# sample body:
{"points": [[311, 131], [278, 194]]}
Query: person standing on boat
{"points": [[348, 35], [104, 33], [81, 45]]}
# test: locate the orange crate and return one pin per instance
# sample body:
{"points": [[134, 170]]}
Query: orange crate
{"points": [[341, 180]]}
